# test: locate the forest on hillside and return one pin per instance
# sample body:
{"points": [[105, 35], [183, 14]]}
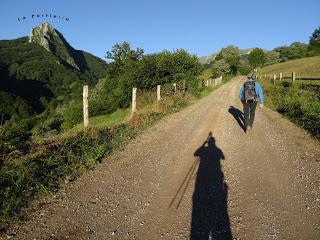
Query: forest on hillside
{"points": [[41, 94]]}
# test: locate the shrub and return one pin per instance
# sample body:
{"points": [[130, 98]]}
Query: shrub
{"points": [[299, 102], [73, 115], [14, 137]]}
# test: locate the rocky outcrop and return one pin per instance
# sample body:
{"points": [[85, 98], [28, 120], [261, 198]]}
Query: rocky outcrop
{"points": [[53, 41]]}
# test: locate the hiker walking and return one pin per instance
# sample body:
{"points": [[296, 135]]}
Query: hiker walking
{"points": [[250, 93]]}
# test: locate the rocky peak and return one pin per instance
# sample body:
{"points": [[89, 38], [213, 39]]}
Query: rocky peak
{"points": [[53, 41]]}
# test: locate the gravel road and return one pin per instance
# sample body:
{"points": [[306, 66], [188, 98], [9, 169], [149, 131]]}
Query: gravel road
{"points": [[195, 175]]}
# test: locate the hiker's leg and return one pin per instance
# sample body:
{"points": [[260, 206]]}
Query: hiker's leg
{"points": [[246, 112], [253, 107]]}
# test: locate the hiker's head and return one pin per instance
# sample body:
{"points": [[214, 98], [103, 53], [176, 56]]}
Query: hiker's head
{"points": [[250, 75]]}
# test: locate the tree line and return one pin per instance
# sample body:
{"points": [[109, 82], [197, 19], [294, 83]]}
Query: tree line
{"points": [[230, 60], [132, 68]]}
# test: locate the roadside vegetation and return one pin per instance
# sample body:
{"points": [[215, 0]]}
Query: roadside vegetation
{"points": [[38, 154], [299, 101], [37, 161]]}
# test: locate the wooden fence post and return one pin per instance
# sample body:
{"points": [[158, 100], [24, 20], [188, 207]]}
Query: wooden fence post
{"points": [[274, 78], [134, 99], [293, 76], [158, 93], [85, 106], [280, 76]]}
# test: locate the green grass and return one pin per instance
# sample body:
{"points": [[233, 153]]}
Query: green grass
{"points": [[304, 67], [206, 91], [53, 160], [105, 120], [298, 101]]}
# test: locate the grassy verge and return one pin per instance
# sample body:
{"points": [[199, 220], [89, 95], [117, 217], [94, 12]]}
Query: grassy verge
{"points": [[106, 120], [299, 102], [51, 162]]}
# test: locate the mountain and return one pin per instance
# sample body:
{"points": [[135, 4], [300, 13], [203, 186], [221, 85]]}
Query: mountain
{"points": [[210, 58], [43, 71], [54, 42]]}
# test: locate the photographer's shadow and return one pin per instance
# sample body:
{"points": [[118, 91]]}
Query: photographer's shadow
{"points": [[238, 116], [210, 218]]}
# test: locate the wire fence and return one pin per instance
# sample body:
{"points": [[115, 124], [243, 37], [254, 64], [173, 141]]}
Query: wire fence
{"points": [[285, 76]]}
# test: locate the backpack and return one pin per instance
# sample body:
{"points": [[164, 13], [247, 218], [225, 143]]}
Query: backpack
{"points": [[250, 90]]}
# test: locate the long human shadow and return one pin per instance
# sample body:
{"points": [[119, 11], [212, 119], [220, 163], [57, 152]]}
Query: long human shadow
{"points": [[238, 116], [210, 219]]}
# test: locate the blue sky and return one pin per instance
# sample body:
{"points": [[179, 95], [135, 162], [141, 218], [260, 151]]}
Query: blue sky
{"points": [[200, 26]]}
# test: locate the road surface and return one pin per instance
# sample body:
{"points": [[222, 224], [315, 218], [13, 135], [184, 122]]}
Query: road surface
{"points": [[195, 175]]}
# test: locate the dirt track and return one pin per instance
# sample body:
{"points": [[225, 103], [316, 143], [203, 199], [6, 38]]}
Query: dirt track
{"points": [[169, 183]]}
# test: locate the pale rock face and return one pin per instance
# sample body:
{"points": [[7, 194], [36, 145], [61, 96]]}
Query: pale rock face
{"points": [[42, 35], [49, 38]]}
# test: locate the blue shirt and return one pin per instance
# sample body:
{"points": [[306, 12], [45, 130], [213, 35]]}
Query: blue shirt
{"points": [[259, 91]]}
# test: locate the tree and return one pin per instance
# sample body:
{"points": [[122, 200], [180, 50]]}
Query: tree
{"points": [[220, 68], [273, 57], [294, 51], [245, 68], [122, 52], [257, 57], [315, 40], [231, 55], [123, 57]]}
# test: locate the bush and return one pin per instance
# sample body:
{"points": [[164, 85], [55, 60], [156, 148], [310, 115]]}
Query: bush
{"points": [[219, 68], [73, 115], [299, 102], [50, 126], [245, 69], [15, 137]]}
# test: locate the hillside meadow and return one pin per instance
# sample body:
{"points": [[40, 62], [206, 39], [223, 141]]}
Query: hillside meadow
{"points": [[299, 101], [304, 67]]}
